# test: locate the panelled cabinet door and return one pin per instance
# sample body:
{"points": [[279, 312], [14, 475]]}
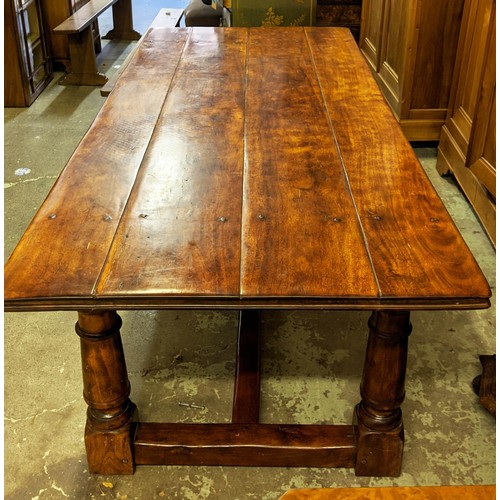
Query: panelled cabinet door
{"points": [[372, 30], [394, 49], [385, 42], [482, 149], [471, 58], [27, 65], [467, 144], [410, 46]]}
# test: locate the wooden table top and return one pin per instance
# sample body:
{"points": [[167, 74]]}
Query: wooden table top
{"points": [[476, 492], [235, 168]]}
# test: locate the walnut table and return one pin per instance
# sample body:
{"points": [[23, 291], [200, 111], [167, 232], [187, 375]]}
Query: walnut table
{"points": [[247, 169]]}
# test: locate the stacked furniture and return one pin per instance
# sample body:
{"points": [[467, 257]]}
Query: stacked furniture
{"points": [[27, 66]]}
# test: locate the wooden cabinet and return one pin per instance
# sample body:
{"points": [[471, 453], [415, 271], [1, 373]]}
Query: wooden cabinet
{"points": [[55, 12], [410, 46], [467, 146], [27, 66], [345, 13], [271, 13]]}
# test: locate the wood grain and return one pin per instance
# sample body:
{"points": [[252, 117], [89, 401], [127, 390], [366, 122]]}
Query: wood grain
{"points": [[181, 231], [414, 245], [84, 16], [64, 248], [397, 493], [106, 390], [247, 445], [300, 230], [378, 417], [468, 139], [166, 18], [246, 399], [236, 168]]}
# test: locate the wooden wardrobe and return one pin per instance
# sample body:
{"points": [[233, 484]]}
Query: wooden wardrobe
{"points": [[410, 46], [467, 145], [27, 66]]}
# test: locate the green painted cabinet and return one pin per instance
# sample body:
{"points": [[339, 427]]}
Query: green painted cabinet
{"points": [[268, 13]]}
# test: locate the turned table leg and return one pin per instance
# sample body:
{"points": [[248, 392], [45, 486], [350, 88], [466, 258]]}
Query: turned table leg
{"points": [[380, 435], [106, 389]]}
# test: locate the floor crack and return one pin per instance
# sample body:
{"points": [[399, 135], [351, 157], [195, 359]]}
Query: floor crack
{"points": [[7, 185], [32, 417]]}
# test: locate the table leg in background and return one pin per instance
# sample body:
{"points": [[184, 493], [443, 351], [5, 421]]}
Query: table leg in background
{"points": [[106, 389], [379, 432]]}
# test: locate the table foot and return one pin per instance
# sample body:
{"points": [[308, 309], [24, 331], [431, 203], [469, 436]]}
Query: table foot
{"points": [[91, 79], [106, 389], [84, 69], [122, 22], [484, 385], [378, 418], [115, 34]]}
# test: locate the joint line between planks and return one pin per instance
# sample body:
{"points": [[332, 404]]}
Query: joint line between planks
{"points": [[351, 194], [139, 170]]}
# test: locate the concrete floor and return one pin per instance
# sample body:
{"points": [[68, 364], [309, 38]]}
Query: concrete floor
{"points": [[311, 368]]}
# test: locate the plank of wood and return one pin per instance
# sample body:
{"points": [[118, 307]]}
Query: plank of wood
{"points": [[398, 493], [329, 185], [166, 18], [246, 400], [83, 17], [247, 445], [301, 233], [415, 247], [64, 248], [180, 234]]}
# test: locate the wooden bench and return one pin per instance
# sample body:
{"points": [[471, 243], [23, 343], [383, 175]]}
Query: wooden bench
{"points": [[166, 18], [78, 28]]}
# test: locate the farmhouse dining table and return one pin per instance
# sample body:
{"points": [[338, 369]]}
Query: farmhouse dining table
{"points": [[244, 169]]}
